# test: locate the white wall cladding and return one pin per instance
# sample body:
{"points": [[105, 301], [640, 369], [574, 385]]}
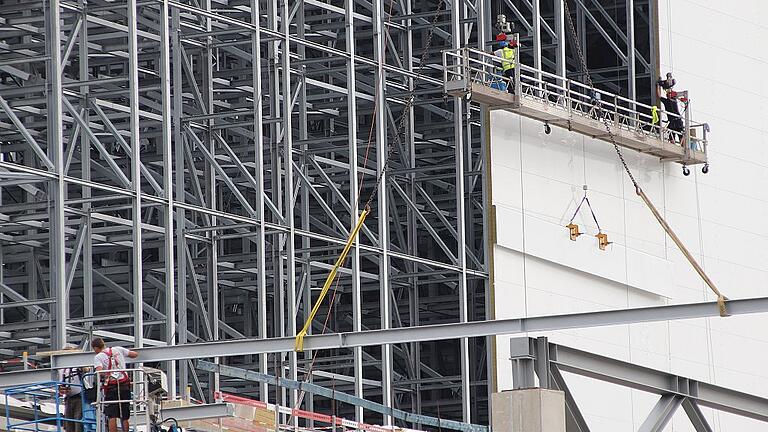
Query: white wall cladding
{"points": [[714, 50]]}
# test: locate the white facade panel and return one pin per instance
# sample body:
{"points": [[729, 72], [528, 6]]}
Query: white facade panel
{"points": [[536, 183]]}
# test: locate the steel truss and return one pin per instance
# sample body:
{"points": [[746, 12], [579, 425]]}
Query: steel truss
{"points": [[547, 361], [148, 122]]}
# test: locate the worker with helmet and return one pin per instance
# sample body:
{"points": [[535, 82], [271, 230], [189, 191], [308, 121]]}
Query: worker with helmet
{"points": [[506, 52], [669, 98]]}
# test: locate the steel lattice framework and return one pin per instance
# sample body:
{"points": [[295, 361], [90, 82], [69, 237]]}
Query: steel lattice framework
{"points": [[236, 141]]}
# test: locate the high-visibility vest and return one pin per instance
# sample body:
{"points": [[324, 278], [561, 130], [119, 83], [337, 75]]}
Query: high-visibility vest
{"points": [[508, 54]]}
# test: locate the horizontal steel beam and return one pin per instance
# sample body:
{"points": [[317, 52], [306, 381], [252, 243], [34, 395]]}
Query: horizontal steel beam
{"points": [[198, 412], [11, 379], [424, 333]]}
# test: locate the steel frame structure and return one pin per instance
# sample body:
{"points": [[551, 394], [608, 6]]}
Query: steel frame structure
{"points": [[236, 141], [548, 361], [619, 40]]}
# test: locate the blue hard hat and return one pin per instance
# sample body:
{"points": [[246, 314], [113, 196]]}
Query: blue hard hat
{"points": [[503, 44]]}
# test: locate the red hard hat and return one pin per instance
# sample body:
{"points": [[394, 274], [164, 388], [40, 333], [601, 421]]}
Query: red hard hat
{"points": [[501, 37]]}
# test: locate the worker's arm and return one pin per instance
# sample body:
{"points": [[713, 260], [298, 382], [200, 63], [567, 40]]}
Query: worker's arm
{"points": [[133, 354]]}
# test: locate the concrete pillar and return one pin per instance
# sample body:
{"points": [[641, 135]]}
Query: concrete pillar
{"points": [[528, 410]]}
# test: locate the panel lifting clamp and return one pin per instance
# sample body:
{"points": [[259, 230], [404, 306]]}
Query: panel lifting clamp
{"points": [[573, 229], [602, 240]]}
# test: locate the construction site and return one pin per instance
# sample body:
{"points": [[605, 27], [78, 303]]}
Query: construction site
{"points": [[383, 215]]}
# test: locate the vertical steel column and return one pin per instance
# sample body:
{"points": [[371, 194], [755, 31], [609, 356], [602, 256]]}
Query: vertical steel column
{"points": [[305, 289], [85, 161], [133, 92], [631, 81], [382, 147], [562, 38], [411, 231], [181, 243], [536, 21], [56, 191], [165, 88], [278, 275], [383, 210], [458, 119], [258, 141], [213, 198], [653, 38], [290, 251], [581, 32]]}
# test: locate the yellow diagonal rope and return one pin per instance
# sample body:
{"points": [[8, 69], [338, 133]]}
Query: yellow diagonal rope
{"points": [[329, 280]]}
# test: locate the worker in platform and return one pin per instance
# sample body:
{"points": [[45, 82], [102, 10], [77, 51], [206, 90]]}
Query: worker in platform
{"points": [[116, 384], [506, 52], [667, 83], [71, 388], [668, 97]]}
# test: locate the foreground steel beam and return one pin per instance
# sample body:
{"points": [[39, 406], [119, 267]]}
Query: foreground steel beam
{"points": [[198, 412], [428, 333]]}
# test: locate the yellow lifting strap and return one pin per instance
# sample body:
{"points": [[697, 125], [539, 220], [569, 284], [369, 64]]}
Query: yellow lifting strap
{"points": [[720, 297], [329, 280], [654, 114]]}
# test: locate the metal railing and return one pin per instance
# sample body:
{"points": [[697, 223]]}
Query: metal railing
{"points": [[139, 401], [38, 395], [466, 66]]}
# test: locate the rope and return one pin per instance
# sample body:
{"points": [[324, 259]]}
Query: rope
{"points": [[721, 299], [591, 210], [329, 280]]}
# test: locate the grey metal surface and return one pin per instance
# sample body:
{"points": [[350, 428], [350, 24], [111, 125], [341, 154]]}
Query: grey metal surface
{"points": [[198, 412], [438, 333], [661, 413], [567, 359], [673, 389]]}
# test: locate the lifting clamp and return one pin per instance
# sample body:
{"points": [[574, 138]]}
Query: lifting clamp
{"points": [[602, 240], [573, 229]]}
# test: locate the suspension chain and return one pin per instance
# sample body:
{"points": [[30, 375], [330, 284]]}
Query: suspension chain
{"points": [[588, 78], [407, 107], [721, 299]]}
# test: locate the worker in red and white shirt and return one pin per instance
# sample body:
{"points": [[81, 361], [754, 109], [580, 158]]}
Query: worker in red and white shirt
{"points": [[116, 385]]}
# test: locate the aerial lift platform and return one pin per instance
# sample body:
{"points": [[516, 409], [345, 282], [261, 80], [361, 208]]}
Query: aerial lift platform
{"points": [[563, 102]]}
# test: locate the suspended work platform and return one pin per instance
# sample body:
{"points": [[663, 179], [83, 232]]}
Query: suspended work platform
{"points": [[570, 104]]}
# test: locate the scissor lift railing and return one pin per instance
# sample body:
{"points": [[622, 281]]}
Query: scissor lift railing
{"points": [[139, 402], [567, 103], [36, 395]]}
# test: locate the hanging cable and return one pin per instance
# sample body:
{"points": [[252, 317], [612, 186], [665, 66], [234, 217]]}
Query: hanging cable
{"points": [[591, 210], [721, 299], [602, 238]]}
